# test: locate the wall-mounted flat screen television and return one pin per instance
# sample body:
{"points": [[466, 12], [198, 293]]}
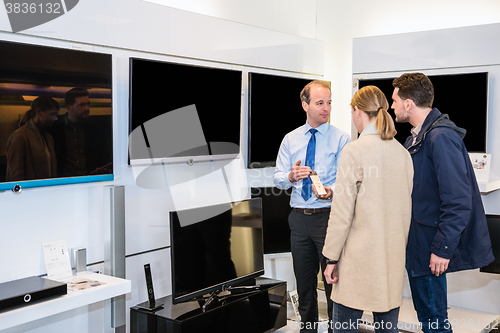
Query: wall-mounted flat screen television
{"points": [[47, 135], [275, 211], [215, 246], [464, 97], [274, 110], [181, 112]]}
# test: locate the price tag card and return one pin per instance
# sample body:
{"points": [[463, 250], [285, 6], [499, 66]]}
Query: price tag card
{"points": [[481, 164], [57, 259]]}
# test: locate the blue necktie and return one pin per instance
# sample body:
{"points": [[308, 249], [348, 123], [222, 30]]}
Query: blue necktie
{"points": [[310, 156]]}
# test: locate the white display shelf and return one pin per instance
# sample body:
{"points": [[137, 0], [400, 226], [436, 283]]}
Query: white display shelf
{"points": [[489, 186], [73, 299]]}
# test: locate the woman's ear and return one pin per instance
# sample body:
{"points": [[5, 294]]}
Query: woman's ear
{"points": [[356, 112]]}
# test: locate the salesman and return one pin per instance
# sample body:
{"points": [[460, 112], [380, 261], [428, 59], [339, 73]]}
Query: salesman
{"points": [[314, 146]]}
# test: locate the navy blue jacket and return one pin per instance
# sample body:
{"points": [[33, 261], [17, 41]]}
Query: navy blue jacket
{"points": [[448, 217]]}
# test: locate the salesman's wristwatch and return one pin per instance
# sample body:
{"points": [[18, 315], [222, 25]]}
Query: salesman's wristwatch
{"points": [[331, 262]]}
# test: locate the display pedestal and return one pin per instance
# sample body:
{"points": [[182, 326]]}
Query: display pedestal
{"points": [[262, 310]]}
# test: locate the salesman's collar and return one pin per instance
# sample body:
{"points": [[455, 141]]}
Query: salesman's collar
{"points": [[321, 128]]}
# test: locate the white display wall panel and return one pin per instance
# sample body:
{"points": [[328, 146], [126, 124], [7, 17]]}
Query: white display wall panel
{"points": [[458, 47], [297, 17], [149, 27]]}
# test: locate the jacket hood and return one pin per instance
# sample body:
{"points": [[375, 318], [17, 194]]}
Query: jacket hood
{"points": [[444, 121]]}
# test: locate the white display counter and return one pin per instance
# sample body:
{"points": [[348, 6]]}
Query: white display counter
{"points": [[489, 186], [112, 287]]}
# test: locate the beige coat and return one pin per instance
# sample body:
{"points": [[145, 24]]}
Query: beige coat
{"points": [[27, 157], [369, 223]]}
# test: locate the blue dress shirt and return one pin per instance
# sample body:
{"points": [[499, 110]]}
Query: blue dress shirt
{"points": [[329, 144]]}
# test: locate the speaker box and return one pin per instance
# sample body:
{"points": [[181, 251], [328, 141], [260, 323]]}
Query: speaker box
{"points": [[29, 290]]}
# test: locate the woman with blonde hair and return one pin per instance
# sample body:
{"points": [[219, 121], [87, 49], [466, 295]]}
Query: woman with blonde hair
{"points": [[369, 220]]}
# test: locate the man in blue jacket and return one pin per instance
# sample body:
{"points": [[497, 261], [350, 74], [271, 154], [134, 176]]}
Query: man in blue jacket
{"points": [[448, 230]]}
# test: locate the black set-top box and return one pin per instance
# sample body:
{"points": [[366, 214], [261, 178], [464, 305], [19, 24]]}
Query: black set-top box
{"points": [[29, 290]]}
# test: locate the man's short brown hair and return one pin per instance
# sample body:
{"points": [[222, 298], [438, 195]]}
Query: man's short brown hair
{"points": [[417, 87], [305, 94]]}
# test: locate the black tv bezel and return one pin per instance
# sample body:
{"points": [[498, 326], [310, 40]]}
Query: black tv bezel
{"points": [[402, 135], [84, 179], [179, 159], [201, 292]]}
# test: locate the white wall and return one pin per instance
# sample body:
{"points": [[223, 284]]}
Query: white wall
{"points": [[296, 17], [340, 21]]}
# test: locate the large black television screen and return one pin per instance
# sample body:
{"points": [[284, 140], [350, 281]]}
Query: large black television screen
{"points": [[215, 246], [31, 73], [181, 112], [274, 110], [275, 211], [464, 97], [494, 230]]}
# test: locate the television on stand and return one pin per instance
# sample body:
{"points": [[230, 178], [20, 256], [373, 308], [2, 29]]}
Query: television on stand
{"points": [[215, 249]]}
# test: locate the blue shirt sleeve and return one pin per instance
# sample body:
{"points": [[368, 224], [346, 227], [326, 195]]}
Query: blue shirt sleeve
{"points": [[344, 139], [283, 166]]}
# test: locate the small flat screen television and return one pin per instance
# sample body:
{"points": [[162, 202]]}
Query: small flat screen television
{"points": [[275, 211], [494, 229], [464, 97], [214, 247], [180, 112], [28, 72], [274, 110]]}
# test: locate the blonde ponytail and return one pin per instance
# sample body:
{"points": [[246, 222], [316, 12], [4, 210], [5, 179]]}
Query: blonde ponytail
{"points": [[385, 125], [372, 98]]}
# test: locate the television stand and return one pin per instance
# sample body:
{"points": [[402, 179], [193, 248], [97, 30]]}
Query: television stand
{"points": [[227, 292], [262, 309]]}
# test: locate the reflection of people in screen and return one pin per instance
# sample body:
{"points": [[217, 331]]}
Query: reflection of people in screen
{"points": [[203, 257], [82, 147], [30, 149]]}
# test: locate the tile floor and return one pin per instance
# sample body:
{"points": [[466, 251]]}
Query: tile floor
{"points": [[293, 325], [464, 320]]}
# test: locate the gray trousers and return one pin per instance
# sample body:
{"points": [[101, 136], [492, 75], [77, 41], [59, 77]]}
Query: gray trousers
{"points": [[308, 234]]}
